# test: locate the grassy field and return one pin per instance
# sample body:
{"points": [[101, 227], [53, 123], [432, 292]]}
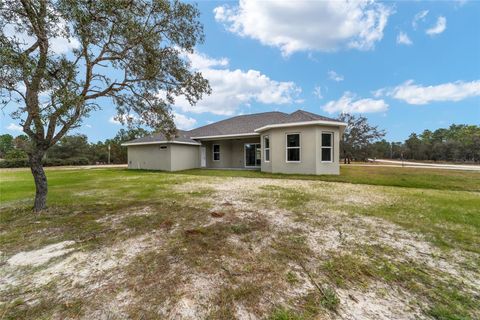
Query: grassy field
{"points": [[239, 244]]}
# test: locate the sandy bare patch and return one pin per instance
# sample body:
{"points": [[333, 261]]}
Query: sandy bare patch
{"points": [[378, 302], [114, 220], [41, 256], [196, 297], [85, 268], [81, 273], [246, 259], [328, 229]]}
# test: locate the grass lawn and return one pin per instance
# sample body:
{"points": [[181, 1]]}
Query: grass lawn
{"points": [[374, 242]]}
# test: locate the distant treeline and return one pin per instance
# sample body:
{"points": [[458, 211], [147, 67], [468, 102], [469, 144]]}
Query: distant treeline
{"points": [[361, 140], [459, 143], [70, 150]]}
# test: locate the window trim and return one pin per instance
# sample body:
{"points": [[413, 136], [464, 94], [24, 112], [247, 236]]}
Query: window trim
{"points": [[265, 148], [213, 152], [299, 147], [332, 155]]}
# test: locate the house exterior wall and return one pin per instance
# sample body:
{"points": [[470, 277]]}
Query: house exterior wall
{"points": [[184, 157], [328, 167], [150, 157], [231, 152], [172, 157], [310, 151]]}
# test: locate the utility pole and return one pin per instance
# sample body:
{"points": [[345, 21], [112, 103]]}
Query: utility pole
{"points": [[108, 154]]}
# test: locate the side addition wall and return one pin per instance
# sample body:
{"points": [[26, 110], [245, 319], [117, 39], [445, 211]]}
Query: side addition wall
{"points": [[310, 151], [165, 157], [149, 157]]}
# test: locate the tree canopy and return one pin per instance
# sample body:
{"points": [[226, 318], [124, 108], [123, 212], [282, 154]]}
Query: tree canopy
{"points": [[129, 51], [358, 137]]}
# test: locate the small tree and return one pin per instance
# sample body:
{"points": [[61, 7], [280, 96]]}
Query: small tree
{"points": [[6, 144], [358, 137], [130, 51], [119, 153], [70, 147]]}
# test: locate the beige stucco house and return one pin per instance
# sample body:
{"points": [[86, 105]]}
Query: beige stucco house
{"points": [[277, 142]]}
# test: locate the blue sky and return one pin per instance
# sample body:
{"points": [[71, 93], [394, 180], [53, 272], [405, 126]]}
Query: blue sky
{"points": [[407, 65]]}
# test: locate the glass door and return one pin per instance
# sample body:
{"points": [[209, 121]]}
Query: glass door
{"points": [[252, 155]]}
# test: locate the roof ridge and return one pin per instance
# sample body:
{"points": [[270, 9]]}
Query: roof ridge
{"points": [[313, 115], [238, 116]]}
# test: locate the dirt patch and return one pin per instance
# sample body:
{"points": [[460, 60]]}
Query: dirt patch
{"points": [[377, 302], [217, 214], [115, 220], [41, 256], [254, 249], [328, 230], [196, 297]]}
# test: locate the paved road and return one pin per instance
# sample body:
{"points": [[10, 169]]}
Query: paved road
{"points": [[409, 164]]}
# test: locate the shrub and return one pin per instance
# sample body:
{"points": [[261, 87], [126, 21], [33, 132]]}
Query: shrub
{"points": [[77, 161], [49, 162], [14, 163], [15, 154]]}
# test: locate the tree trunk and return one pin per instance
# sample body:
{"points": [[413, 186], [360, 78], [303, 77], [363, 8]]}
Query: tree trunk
{"points": [[40, 180]]}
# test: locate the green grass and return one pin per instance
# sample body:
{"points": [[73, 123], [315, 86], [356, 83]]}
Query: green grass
{"points": [[372, 175], [450, 219], [18, 184]]}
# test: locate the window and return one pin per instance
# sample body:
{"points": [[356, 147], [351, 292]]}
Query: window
{"points": [[293, 147], [216, 152], [327, 147], [266, 148]]}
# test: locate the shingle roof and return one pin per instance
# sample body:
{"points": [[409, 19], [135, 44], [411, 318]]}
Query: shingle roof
{"points": [[181, 137], [239, 124], [302, 116], [243, 124]]}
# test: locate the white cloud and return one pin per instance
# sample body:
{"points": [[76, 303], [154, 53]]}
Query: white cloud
{"points": [[58, 45], [335, 76], [232, 89], [349, 103], [14, 127], [460, 3], [126, 119], [114, 121], [402, 38], [88, 126], [438, 28], [419, 95], [296, 26], [202, 61], [183, 122], [420, 16], [317, 92]]}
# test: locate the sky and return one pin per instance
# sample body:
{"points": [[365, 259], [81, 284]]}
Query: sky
{"points": [[406, 65]]}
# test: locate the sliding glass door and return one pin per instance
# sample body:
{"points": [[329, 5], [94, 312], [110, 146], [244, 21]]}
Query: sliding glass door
{"points": [[252, 155]]}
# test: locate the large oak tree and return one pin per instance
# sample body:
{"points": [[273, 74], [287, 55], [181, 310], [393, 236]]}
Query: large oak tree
{"points": [[131, 52], [358, 137]]}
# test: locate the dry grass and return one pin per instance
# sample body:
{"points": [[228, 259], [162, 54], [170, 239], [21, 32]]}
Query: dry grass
{"points": [[225, 248]]}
